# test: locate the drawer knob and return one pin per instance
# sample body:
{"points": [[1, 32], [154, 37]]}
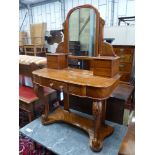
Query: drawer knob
{"points": [[121, 65], [122, 57], [121, 49], [61, 88], [51, 84]]}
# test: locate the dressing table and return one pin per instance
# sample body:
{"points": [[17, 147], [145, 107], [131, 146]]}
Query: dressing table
{"points": [[84, 25]]}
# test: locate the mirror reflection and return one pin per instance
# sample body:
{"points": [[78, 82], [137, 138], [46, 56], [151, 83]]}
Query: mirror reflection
{"points": [[82, 29]]}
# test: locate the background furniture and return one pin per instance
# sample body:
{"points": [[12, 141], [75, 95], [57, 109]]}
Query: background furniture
{"points": [[34, 45], [27, 96], [126, 67], [35, 50], [126, 20], [121, 99], [128, 144]]}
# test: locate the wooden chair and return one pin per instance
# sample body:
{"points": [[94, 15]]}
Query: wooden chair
{"points": [[27, 96], [35, 50]]}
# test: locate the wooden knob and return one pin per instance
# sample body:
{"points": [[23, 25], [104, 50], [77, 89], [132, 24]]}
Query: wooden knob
{"points": [[51, 84], [61, 87]]}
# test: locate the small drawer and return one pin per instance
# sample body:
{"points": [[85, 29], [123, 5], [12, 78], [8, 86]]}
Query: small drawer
{"points": [[58, 85], [57, 61], [123, 50], [106, 72], [126, 67], [25, 106], [126, 58], [102, 64], [76, 89]]}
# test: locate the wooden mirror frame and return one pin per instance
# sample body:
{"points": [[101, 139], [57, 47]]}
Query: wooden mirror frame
{"points": [[101, 48]]}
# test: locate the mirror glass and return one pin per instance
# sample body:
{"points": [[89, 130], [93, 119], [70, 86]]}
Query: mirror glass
{"points": [[82, 32]]}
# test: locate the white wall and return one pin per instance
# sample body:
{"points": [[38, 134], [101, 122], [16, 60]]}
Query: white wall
{"points": [[124, 35]]}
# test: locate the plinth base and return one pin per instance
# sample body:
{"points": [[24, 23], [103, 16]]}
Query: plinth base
{"points": [[60, 115]]}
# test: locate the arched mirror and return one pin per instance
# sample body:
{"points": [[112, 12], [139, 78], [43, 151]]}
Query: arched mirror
{"points": [[82, 32], [83, 37]]}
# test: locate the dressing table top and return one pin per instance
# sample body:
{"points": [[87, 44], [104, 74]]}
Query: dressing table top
{"points": [[77, 76]]}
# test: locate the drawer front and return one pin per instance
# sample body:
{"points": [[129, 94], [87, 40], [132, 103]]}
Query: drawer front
{"points": [[107, 72], [52, 64], [52, 58], [54, 84], [123, 50], [25, 106], [126, 58], [58, 85], [102, 64], [76, 89], [125, 67]]}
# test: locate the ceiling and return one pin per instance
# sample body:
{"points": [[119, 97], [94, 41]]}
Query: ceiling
{"points": [[31, 1], [24, 3]]}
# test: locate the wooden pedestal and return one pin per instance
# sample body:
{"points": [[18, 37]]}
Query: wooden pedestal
{"points": [[106, 66], [57, 61]]}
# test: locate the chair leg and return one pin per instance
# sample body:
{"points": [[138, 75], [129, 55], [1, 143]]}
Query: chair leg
{"points": [[30, 116], [31, 113]]}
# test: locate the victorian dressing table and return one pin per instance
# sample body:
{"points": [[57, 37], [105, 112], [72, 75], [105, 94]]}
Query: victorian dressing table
{"points": [[97, 83]]}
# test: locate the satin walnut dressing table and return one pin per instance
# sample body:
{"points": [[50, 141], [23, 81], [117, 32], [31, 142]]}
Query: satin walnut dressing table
{"points": [[96, 84]]}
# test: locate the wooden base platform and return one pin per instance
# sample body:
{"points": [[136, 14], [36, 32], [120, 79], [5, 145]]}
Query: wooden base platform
{"points": [[60, 115]]}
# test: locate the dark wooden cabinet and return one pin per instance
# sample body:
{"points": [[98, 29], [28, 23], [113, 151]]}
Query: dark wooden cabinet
{"points": [[116, 104]]}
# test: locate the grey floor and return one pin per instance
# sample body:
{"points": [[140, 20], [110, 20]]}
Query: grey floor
{"points": [[64, 139]]}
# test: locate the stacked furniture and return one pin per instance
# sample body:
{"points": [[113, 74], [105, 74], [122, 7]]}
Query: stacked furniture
{"points": [[126, 67], [27, 95], [37, 38]]}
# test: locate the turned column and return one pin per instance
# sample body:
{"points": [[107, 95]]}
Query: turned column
{"points": [[98, 110]]}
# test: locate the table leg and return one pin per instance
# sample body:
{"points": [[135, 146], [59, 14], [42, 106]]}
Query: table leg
{"points": [[95, 141], [66, 101], [40, 93], [104, 104]]}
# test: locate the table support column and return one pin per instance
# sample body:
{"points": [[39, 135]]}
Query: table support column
{"points": [[96, 140], [39, 90]]}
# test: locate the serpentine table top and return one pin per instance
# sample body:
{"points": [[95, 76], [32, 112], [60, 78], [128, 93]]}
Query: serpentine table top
{"points": [[77, 77]]}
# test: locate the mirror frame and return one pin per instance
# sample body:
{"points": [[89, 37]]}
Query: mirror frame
{"points": [[66, 28], [101, 48]]}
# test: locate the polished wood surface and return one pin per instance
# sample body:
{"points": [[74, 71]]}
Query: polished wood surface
{"points": [[82, 81], [57, 61], [106, 68], [128, 143]]}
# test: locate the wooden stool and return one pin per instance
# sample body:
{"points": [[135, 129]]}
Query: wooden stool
{"points": [[28, 98]]}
